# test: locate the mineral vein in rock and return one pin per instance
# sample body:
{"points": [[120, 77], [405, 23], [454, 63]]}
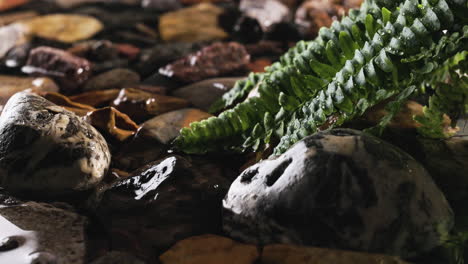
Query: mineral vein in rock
{"points": [[383, 51]]}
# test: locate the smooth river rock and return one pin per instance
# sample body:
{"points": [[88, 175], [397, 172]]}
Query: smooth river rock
{"points": [[339, 189], [46, 150]]}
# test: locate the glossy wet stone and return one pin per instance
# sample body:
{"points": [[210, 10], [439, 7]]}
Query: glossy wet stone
{"points": [[112, 123], [17, 56], [339, 189], [288, 254], [41, 233], [70, 71], [95, 50], [46, 150], [98, 98], [113, 79], [218, 59], [152, 59], [210, 249], [160, 204], [9, 85], [65, 102], [204, 93], [166, 127], [141, 105], [192, 24]]}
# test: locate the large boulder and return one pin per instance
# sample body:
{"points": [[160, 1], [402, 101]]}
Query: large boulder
{"points": [[46, 150], [339, 189]]}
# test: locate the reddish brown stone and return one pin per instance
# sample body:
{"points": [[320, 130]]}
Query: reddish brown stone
{"points": [[259, 65], [141, 105], [70, 71], [128, 50], [112, 123], [65, 102], [215, 60], [314, 14]]}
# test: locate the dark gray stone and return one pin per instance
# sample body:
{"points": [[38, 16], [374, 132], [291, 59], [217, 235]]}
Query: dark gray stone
{"points": [[47, 150], [117, 257], [41, 233], [203, 94], [162, 203], [339, 189]]}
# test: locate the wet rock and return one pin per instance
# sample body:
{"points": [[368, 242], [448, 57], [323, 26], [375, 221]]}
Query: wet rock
{"points": [[138, 151], [9, 4], [203, 94], [11, 36], [210, 249], [215, 60], [65, 102], [339, 189], [47, 150], [288, 254], [117, 257], [162, 54], [166, 127], [68, 70], [141, 105], [96, 98], [266, 12], [95, 50], [192, 24], [41, 233], [113, 79], [17, 56], [112, 123], [9, 85], [160, 204], [64, 27], [313, 14]]}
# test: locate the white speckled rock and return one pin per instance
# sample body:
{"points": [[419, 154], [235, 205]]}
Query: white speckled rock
{"points": [[47, 150], [339, 189]]}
